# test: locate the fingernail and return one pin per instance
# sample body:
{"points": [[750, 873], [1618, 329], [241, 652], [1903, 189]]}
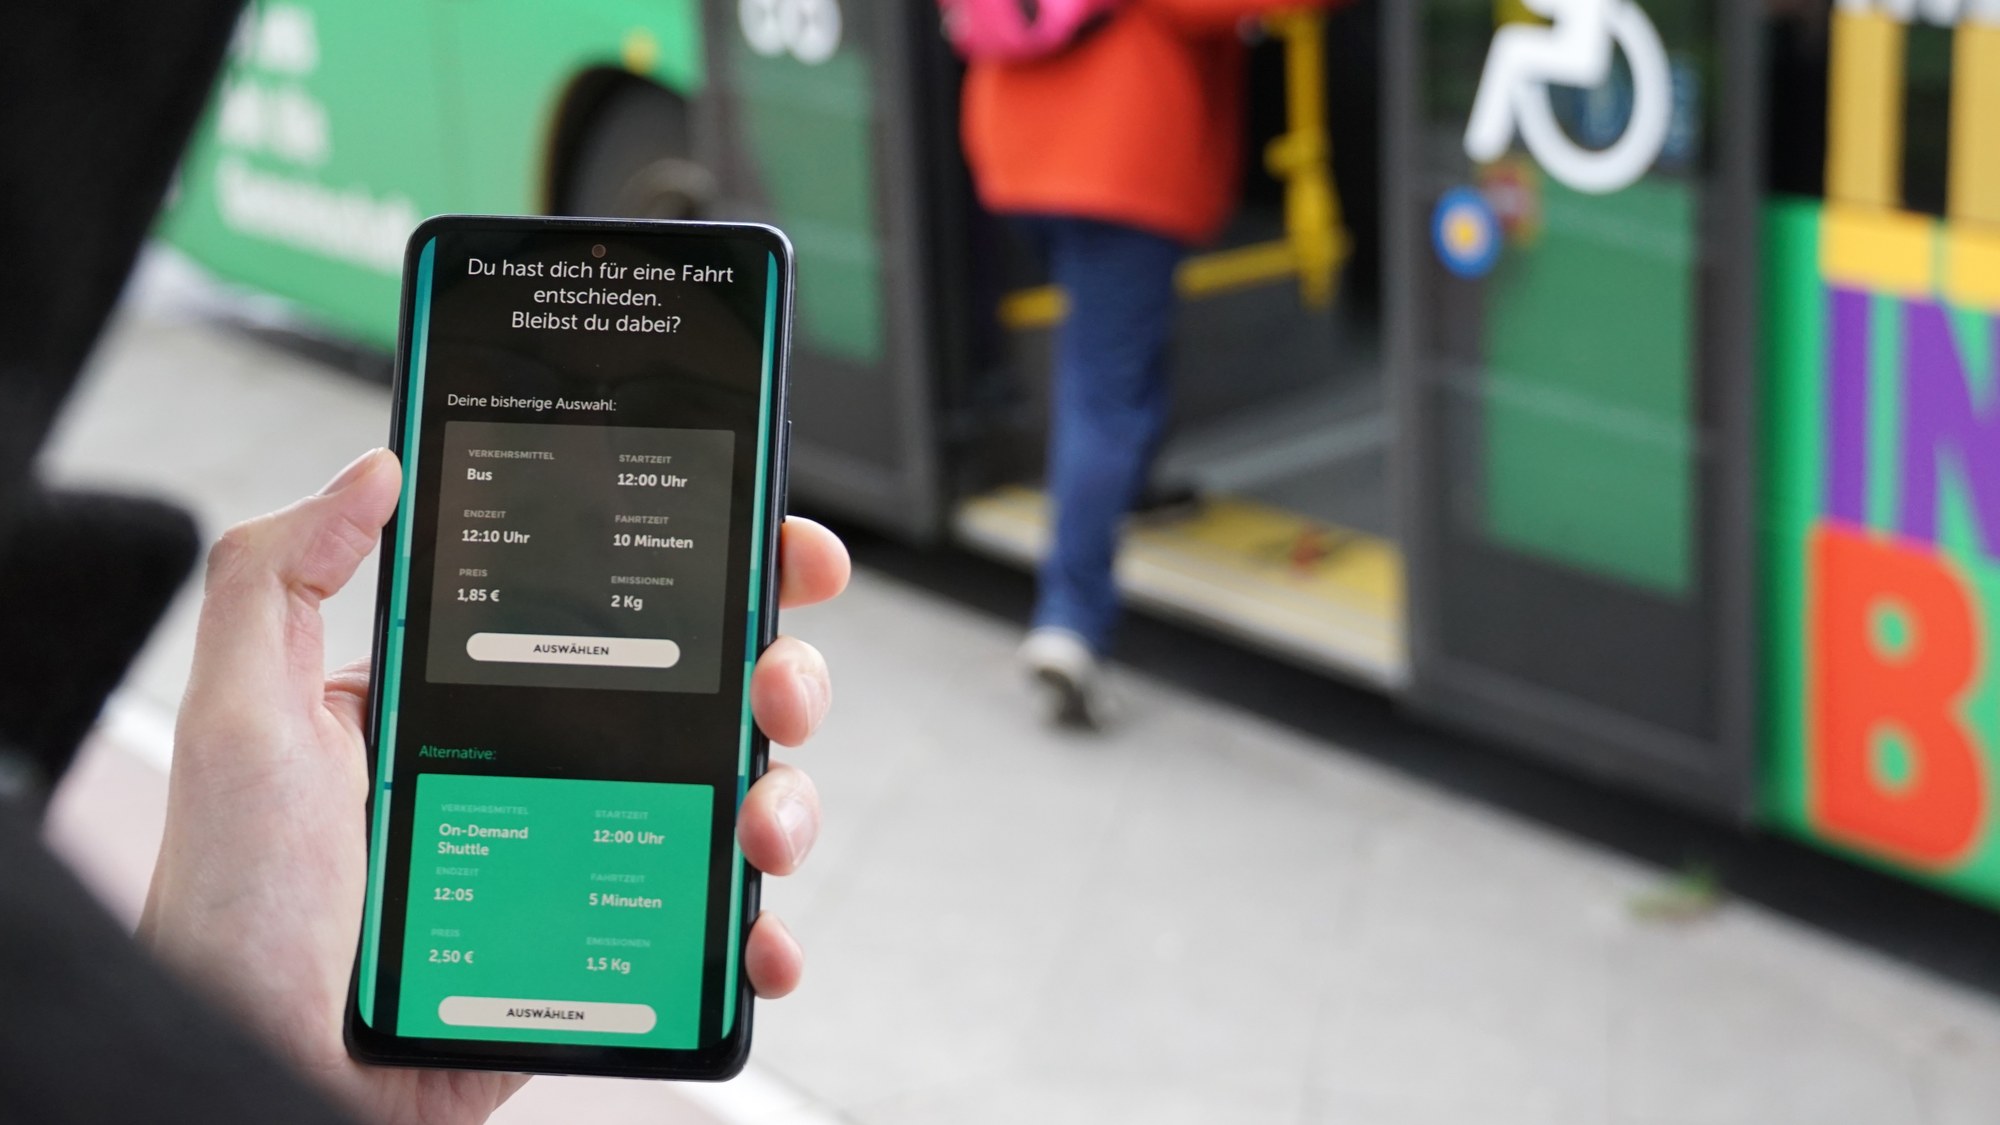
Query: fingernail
{"points": [[794, 820], [347, 476], [813, 689]]}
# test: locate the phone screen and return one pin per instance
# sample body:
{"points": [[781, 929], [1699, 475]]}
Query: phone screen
{"points": [[575, 589]]}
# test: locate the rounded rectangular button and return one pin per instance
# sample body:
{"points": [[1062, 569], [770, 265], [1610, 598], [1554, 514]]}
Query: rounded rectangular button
{"points": [[547, 1015], [607, 652]]}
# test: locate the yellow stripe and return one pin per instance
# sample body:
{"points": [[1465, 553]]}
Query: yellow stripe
{"points": [[1240, 268], [1975, 124], [1972, 266], [1972, 239], [1887, 251], [1033, 308], [1865, 119], [1202, 276]]}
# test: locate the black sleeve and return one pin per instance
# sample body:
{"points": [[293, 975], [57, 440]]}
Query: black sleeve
{"points": [[97, 97], [91, 1031], [82, 581]]}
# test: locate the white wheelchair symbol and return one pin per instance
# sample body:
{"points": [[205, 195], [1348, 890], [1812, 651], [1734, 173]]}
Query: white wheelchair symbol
{"points": [[1574, 50], [808, 29]]}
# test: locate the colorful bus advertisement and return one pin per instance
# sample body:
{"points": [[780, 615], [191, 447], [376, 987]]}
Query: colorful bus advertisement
{"points": [[1883, 465]]}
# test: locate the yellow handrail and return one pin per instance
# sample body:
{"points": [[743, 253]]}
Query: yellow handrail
{"points": [[1315, 241], [1303, 158]]}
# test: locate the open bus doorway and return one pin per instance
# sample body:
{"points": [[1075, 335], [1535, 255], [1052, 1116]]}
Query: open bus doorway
{"points": [[1270, 518]]}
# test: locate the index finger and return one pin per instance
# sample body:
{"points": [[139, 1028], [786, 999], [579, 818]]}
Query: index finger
{"points": [[812, 563]]}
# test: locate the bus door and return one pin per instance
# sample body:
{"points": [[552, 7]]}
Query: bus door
{"points": [[1266, 516], [1573, 267], [814, 118]]}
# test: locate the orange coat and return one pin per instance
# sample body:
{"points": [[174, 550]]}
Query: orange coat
{"points": [[1140, 122]]}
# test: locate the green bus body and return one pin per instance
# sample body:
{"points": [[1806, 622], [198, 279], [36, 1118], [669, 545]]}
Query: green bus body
{"points": [[338, 126]]}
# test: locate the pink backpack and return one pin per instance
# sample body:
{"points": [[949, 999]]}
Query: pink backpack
{"points": [[1016, 30]]}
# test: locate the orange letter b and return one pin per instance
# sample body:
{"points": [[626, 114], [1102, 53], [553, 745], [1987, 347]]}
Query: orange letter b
{"points": [[1860, 692]]}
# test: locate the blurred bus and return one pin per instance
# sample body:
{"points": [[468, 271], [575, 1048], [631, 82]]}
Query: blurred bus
{"points": [[1660, 440]]}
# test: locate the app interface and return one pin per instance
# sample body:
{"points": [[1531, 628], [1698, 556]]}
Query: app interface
{"points": [[573, 607]]}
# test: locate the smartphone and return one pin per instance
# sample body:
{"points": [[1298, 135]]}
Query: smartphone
{"points": [[591, 416]]}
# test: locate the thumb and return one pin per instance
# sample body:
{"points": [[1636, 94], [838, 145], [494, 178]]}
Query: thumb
{"points": [[259, 639]]}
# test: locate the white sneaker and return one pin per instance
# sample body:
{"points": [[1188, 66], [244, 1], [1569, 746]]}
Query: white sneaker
{"points": [[1067, 670]]}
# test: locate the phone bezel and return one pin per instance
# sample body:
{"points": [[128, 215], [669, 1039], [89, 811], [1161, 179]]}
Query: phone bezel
{"points": [[726, 1057]]}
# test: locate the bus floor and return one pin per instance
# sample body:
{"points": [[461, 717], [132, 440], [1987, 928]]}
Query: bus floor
{"points": [[1288, 547]]}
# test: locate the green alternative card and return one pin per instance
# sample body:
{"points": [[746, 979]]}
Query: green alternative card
{"points": [[555, 910]]}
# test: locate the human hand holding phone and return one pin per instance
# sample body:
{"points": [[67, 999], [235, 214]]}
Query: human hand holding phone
{"points": [[257, 896]]}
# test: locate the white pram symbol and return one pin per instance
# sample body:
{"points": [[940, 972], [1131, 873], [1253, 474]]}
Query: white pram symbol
{"points": [[1574, 50]]}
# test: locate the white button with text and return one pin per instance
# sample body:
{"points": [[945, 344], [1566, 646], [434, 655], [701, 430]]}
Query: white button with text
{"points": [[607, 652], [547, 1015]]}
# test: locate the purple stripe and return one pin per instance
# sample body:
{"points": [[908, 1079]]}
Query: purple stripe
{"points": [[1945, 426], [1847, 409]]}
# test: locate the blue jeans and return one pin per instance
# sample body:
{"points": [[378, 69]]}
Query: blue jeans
{"points": [[1108, 407]]}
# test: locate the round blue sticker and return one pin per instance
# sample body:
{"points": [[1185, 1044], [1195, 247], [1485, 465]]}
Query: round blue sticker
{"points": [[1466, 233]]}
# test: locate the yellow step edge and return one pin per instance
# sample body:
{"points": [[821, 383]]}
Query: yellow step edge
{"points": [[1276, 579]]}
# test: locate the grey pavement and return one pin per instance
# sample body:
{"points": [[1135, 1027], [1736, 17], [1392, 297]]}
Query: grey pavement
{"points": [[1199, 917]]}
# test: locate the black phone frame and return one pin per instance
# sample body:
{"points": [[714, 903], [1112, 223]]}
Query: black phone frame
{"points": [[725, 1058]]}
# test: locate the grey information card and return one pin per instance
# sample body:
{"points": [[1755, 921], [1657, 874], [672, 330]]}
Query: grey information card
{"points": [[581, 557]]}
